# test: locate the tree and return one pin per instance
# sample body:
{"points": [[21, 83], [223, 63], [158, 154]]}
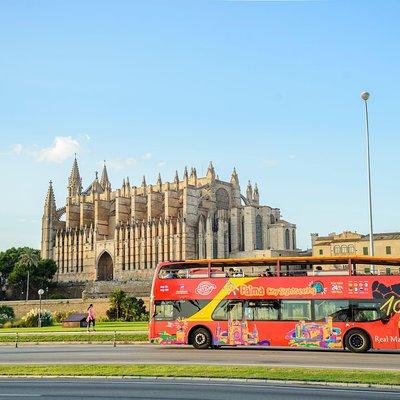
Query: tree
{"points": [[8, 261], [29, 260], [117, 298], [31, 268]]}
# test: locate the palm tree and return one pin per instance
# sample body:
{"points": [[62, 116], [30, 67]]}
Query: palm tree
{"points": [[30, 260]]}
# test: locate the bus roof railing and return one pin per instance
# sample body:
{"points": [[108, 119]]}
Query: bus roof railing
{"points": [[293, 260]]}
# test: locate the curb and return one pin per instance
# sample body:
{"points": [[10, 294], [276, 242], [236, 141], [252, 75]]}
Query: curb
{"points": [[231, 380]]}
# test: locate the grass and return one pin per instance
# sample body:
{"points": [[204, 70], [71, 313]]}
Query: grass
{"points": [[78, 337], [208, 371], [100, 326]]}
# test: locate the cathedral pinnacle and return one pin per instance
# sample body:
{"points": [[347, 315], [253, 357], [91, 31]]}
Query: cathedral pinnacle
{"points": [[234, 178], [249, 192], [159, 181], [50, 202], [211, 171], [144, 182], [256, 195], [74, 181], [104, 181]]}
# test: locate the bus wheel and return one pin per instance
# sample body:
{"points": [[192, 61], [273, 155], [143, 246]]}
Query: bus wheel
{"points": [[357, 341], [201, 338]]}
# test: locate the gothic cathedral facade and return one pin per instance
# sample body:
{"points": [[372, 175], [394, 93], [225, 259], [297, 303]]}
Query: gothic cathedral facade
{"points": [[101, 234]]}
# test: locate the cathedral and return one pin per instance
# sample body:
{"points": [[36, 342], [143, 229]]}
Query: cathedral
{"points": [[103, 234]]}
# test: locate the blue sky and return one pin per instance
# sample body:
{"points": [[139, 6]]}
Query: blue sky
{"points": [[269, 87]]}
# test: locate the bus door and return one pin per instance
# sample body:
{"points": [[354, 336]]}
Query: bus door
{"points": [[261, 320], [228, 317]]}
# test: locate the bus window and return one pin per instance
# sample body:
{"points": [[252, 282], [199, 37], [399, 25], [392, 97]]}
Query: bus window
{"points": [[296, 310], [262, 310], [187, 308], [228, 309], [337, 309], [164, 311], [364, 311]]}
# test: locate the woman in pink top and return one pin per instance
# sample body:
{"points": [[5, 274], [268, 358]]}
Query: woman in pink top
{"points": [[91, 318]]}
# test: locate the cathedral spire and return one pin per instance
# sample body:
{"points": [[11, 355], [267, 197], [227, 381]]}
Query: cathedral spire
{"points": [[186, 176], [176, 180], [50, 202], [249, 192], [159, 182], [211, 172], [74, 181], [104, 181], [234, 178], [256, 195]]}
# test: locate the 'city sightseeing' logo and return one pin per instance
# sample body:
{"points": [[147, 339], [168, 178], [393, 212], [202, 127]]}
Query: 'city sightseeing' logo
{"points": [[205, 288]]}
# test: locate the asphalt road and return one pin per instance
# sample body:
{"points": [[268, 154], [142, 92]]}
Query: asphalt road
{"points": [[177, 389], [136, 354]]}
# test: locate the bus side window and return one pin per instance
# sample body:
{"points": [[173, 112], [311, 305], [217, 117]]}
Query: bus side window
{"points": [[228, 309], [164, 311]]}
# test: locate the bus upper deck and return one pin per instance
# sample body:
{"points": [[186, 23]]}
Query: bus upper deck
{"points": [[280, 266]]}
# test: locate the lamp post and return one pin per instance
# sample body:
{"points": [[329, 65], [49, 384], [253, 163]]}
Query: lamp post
{"points": [[365, 97], [40, 292]]}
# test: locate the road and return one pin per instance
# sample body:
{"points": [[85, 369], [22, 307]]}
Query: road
{"points": [[136, 354], [177, 389]]}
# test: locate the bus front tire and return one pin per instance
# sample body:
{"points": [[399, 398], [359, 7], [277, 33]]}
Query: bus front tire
{"points": [[201, 338], [357, 341]]}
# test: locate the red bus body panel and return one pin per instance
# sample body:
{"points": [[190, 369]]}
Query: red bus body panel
{"points": [[325, 334]]}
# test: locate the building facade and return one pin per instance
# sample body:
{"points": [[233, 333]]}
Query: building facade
{"points": [[350, 243], [104, 234]]}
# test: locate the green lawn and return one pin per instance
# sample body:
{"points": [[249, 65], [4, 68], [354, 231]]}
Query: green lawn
{"points": [[100, 326], [75, 337], [209, 371]]}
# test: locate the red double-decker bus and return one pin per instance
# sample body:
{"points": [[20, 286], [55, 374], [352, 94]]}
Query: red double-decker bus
{"points": [[307, 302]]}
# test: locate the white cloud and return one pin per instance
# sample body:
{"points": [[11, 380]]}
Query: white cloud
{"points": [[63, 148], [161, 164], [16, 149]]}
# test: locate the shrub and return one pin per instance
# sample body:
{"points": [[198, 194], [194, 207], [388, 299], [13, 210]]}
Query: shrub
{"points": [[126, 308], [8, 324], [6, 314], [59, 316], [32, 318]]}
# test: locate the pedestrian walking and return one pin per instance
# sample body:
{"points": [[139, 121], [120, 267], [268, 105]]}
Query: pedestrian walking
{"points": [[91, 318]]}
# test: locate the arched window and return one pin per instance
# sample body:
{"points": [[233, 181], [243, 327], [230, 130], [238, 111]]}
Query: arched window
{"points": [[287, 239], [259, 233], [336, 249], [344, 249], [271, 219], [351, 249], [294, 239]]}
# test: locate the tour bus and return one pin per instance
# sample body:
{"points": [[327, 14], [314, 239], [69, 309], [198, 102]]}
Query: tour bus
{"points": [[299, 302]]}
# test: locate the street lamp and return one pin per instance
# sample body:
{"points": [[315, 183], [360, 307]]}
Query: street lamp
{"points": [[40, 292], [365, 97]]}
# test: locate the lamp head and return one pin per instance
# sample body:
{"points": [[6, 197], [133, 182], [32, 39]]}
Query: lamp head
{"points": [[365, 96], [40, 292]]}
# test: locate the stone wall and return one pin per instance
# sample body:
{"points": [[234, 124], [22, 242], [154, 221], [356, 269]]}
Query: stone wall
{"points": [[79, 305]]}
